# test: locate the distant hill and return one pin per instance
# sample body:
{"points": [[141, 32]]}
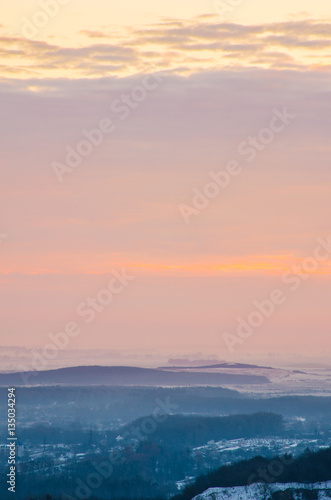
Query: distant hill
{"points": [[191, 362], [217, 365], [180, 431], [124, 375]]}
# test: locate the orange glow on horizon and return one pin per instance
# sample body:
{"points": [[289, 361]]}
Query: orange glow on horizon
{"points": [[262, 265]]}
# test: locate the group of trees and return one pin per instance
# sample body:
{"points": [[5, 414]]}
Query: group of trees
{"points": [[308, 468], [179, 431]]}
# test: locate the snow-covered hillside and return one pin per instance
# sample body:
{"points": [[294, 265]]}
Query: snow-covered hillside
{"points": [[265, 491]]}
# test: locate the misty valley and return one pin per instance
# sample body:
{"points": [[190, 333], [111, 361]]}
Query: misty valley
{"points": [[139, 442]]}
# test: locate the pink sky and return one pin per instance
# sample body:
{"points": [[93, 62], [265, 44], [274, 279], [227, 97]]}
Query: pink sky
{"points": [[120, 206]]}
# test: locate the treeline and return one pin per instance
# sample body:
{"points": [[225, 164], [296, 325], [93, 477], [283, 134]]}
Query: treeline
{"points": [[110, 406], [132, 484], [308, 468], [178, 431], [181, 431], [147, 471]]}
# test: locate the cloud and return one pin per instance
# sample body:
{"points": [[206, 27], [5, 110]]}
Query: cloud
{"points": [[177, 46]]}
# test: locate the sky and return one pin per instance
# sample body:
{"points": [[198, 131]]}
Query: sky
{"points": [[116, 118]]}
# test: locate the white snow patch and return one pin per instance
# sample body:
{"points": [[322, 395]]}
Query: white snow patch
{"points": [[259, 491]]}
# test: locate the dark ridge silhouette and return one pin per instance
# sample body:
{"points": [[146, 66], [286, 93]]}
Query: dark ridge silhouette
{"points": [[190, 431], [310, 467], [125, 375]]}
